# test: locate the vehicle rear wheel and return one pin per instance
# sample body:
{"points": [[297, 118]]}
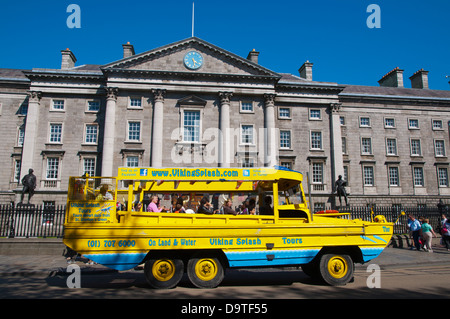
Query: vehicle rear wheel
{"points": [[205, 272], [336, 269], [163, 273]]}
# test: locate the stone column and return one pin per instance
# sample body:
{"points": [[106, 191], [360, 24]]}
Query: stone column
{"points": [[270, 136], [337, 159], [158, 124], [31, 132], [109, 132], [225, 147]]}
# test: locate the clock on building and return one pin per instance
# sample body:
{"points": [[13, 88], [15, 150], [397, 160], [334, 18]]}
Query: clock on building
{"points": [[193, 60]]}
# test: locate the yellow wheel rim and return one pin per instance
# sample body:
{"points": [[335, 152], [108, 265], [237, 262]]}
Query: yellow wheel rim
{"points": [[206, 269], [337, 267], [163, 270]]}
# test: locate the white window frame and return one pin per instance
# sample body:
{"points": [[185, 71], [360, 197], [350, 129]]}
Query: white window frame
{"points": [[369, 124], [363, 151], [83, 163], [290, 140], [95, 101], [183, 135], [365, 178], [440, 127], [20, 135], [311, 118], [317, 176], [137, 98], [413, 127], [422, 177], [50, 133], [388, 147], [85, 141], [386, 124], [129, 122], [252, 142], [17, 162], [241, 106], [48, 169], [442, 151], [411, 146], [443, 169], [128, 157], [281, 116], [311, 146], [391, 177], [344, 144], [52, 106]]}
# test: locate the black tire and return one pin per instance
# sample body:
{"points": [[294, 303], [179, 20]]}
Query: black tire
{"points": [[336, 269], [163, 273], [205, 272]]}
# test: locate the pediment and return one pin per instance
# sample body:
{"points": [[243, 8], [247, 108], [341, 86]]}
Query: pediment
{"points": [[170, 58], [192, 100]]}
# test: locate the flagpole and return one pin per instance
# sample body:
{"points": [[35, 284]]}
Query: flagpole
{"points": [[192, 19]]}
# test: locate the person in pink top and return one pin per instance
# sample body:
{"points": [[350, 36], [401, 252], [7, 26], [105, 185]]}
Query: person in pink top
{"points": [[153, 206]]}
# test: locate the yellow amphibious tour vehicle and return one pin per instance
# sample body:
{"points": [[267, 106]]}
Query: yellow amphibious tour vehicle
{"points": [[107, 221]]}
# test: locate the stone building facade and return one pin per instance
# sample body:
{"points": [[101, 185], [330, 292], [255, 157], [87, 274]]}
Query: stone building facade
{"points": [[193, 104]]}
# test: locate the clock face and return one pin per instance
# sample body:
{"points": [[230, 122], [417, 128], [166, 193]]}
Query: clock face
{"points": [[193, 60]]}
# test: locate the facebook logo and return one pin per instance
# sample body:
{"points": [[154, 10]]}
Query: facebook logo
{"points": [[246, 172], [144, 172]]}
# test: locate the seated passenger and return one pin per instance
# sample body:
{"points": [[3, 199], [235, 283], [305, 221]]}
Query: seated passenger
{"points": [[227, 208], [244, 208], [154, 205], [266, 209], [178, 207], [104, 194], [205, 207]]}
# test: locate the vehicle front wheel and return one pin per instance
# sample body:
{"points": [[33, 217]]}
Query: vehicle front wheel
{"points": [[163, 273], [336, 269], [205, 272]]}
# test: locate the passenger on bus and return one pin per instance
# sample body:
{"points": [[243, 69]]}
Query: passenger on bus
{"points": [[178, 207], [266, 209], [104, 194], [154, 205], [205, 207], [227, 208]]}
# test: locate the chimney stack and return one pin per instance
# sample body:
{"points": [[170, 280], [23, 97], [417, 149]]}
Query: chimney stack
{"points": [[419, 80], [306, 71], [68, 59], [393, 79], [128, 50], [253, 56]]}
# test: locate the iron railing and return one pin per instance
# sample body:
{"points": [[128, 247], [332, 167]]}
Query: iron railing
{"points": [[31, 221]]}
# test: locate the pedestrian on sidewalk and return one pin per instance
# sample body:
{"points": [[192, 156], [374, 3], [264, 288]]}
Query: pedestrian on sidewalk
{"points": [[445, 231], [427, 234], [415, 227]]}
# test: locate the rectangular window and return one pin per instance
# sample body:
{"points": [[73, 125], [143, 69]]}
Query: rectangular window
{"points": [[247, 134], [437, 125], [316, 140], [91, 134], [52, 167], [93, 106], [89, 166], [315, 114], [443, 177], [368, 176], [136, 102], [391, 146], [286, 165], [415, 148], [364, 122], [58, 105], [247, 107], [393, 176], [418, 176], [132, 161], [413, 123], [342, 120], [366, 146], [191, 126], [346, 177], [439, 148], [317, 173], [21, 136], [55, 133], [389, 123], [248, 162], [134, 131], [344, 145], [285, 139], [16, 170], [284, 113]]}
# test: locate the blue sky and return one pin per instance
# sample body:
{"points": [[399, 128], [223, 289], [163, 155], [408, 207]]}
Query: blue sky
{"points": [[332, 34]]}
